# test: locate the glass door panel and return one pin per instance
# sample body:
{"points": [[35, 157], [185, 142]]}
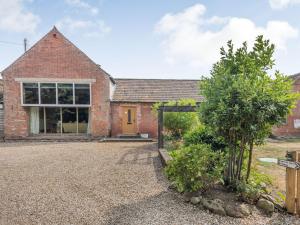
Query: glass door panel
{"points": [[56, 120], [53, 120], [69, 117], [42, 120], [83, 120]]}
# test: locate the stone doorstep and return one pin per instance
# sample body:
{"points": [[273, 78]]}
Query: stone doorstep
{"points": [[73, 138], [126, 139]]}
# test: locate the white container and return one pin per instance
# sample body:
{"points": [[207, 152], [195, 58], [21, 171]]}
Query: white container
{"points": [[144, 135]]}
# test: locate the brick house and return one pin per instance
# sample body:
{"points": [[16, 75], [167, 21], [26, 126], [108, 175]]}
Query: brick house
{"points": [[291, 127], [55, 89], [1, 91], [1, 111]]}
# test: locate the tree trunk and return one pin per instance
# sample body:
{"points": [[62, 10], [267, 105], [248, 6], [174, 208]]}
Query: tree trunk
{"points": [[249, 160], [229, 169], [234, 160], [240, 160]]}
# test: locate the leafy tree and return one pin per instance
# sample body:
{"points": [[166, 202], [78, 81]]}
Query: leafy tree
{"points": [[202, 135], [178, 123], [243, 101]]}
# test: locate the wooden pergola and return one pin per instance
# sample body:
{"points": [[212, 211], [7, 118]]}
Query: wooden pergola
{"points": [[160, 120]]}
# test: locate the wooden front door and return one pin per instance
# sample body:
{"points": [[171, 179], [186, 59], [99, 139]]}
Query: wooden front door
{"points": [[129, 120]]}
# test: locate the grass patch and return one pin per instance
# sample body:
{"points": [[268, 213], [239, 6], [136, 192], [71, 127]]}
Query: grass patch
{"points": [[275, 150]]}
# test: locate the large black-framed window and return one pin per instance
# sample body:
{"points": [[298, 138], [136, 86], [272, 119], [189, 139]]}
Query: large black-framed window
{"points": [[56, 94], [31, 93], [59, 120]]}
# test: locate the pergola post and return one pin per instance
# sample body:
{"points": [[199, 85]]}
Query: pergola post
{"points": [[161, 110], [160, 127]]}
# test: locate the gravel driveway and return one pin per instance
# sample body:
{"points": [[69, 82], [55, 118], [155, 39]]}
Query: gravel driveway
{"points": [[96, 183]]}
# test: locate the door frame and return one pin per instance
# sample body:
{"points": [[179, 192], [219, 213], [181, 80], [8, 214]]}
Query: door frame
{"points": [[123, 107]]}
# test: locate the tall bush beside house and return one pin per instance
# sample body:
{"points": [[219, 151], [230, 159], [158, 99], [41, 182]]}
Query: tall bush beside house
{"points": [[243, 101], [203, 135], [178, 123]]}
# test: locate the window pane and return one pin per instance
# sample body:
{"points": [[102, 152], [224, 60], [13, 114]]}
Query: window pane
{"points": [[48, 93], [129, 116], [65, 93], [69, 124], [82, 94], [30, 93], [83, 120]]}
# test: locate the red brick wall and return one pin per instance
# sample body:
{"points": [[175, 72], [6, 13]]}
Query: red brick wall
{"points": [[288, 129], [54, 57], [146, 120]]}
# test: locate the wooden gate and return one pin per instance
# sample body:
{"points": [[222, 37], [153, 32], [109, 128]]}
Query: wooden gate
{"points": [[292, 165]]}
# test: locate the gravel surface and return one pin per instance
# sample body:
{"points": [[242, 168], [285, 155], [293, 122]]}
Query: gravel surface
{"points": [[96, 183]]}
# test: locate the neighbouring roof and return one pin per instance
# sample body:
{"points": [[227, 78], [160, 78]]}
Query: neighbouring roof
{"points": [[295, 76], [155, 90]]}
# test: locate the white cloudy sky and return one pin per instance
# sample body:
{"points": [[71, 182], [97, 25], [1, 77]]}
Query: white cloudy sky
{"points": [[153, 39]]}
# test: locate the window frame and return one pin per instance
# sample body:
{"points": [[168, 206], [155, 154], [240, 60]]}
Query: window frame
{"points": [[56, 88], [88, 122]]}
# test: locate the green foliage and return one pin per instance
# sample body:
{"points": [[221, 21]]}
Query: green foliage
{"points": [[171, 143], [178, 123], [202, 135], [243, 101], [280, 198], [195, 167], [257, 184]]}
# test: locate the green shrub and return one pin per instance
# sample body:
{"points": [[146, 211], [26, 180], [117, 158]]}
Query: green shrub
{"points": [[178, 123], [201, 135], [173, 145], [257, 184], [194, 167]]}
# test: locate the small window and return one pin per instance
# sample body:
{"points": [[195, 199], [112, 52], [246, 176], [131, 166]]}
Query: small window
{"points": [[48, 93], [82, 94], [129, 116], [65, 94], [30, 93]]}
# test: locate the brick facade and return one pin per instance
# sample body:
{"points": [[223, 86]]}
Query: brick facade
{"points": [[54, 57], [289, 129], [146, 121]]}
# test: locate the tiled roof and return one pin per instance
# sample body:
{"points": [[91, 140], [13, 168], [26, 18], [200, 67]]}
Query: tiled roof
{"points": [[295, 76], [155, 90]]}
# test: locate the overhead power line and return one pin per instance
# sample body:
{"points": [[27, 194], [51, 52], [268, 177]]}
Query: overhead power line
{"points": [[15, 43], [10, 43]]}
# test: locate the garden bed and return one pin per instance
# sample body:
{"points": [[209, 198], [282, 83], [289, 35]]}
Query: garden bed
{"points": [[220, 200]]}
